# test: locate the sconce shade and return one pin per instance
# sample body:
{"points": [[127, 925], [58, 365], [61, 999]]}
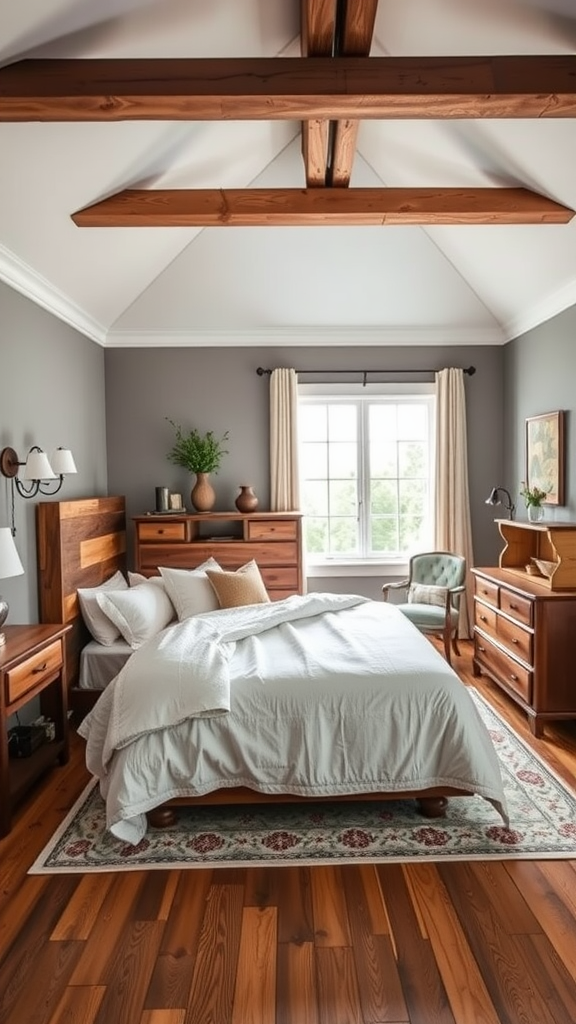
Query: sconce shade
{"points": [[10, 564], [62, 461], [38, 466], [493, 498]]}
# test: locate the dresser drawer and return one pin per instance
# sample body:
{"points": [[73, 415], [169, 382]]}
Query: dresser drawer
{"points": [[33, 671], [485, 617], [506, 670], [269, 529], [149, 532], [284, 578], [520, 608], [518, 640], [486, 590]]}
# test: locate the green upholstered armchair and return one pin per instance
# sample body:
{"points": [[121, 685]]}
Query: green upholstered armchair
{"points": [[434, 588]]}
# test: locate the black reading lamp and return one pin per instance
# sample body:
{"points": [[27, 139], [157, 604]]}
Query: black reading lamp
{"points": [[496, 499]]}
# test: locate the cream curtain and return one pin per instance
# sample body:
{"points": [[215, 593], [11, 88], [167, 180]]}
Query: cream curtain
{"points": [[284, 484], [453, 526]]}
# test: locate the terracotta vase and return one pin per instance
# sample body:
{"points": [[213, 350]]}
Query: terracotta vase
{"points": [[203, 495], [246, 500]]}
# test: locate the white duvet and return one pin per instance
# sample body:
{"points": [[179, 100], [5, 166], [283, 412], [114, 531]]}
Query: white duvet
{"points": [[316, 696]]}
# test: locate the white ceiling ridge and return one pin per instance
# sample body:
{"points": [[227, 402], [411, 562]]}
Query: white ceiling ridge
{"points": [[18, 275], [552, 305], [305, 336]]}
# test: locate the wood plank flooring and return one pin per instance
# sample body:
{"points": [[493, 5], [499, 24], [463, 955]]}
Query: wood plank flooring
{"points": [[448, 943]]}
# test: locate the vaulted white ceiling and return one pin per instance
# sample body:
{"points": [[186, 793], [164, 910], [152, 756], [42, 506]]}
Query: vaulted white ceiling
{"points": [[298, 285]]}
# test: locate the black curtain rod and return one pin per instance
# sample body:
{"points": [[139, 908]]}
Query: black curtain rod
{"points": [[470, 370]]}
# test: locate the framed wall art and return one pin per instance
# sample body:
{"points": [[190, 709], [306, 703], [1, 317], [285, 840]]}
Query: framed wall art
{"points": [[545, 455]]}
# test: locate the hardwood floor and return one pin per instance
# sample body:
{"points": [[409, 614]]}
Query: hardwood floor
{"points": [[448, 943]]}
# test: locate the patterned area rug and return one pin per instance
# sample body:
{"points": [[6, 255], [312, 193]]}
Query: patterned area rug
{"points": [[542, 826]]}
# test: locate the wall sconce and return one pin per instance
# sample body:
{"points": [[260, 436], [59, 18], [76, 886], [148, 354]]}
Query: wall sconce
{"points": [[10, 565], [37, 469], [495, 499]]}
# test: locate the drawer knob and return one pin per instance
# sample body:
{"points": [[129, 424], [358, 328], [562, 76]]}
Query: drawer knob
{"points": [[481, 649], [514, 641], [513, 606], [40, 668], [483, 618], [513, 677]]}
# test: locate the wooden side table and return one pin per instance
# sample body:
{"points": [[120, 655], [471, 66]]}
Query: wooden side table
{"points": [[32, 664]]}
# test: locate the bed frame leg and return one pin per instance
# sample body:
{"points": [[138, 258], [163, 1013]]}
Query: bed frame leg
{"points": [[162, 817], [432, 806]]}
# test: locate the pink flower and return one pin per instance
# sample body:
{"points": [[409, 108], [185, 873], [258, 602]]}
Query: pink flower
{"points": [[132, 851]]}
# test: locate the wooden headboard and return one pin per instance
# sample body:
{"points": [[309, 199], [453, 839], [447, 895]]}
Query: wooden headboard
{"points": [[79, 544]]}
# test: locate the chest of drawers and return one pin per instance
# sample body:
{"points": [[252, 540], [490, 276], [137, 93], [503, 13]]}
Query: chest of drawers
{"points": [[272, 539], [525, 641]]}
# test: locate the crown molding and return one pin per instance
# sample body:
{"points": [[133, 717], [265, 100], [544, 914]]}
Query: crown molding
{"points": [[18, 275], [305, 337], [552, 305]]}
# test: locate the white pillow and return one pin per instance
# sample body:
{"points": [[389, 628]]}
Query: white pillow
{"points": [[138, 612], [190, 590], [136, 578], [99, 625]]}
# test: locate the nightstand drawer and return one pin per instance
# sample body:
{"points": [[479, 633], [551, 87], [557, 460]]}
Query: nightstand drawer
{"points": [[148, 532], [32, 672]]}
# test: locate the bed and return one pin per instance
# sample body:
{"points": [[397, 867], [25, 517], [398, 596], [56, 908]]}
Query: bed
{"points": [[313, 697]]}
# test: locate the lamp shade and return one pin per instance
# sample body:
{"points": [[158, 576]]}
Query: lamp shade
{"points": [[10, 564], [62, 461], [38, 467]]}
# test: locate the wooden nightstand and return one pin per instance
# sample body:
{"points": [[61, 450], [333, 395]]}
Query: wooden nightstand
{"points": [[32, 664]]}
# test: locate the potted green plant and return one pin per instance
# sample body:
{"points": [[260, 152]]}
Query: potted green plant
{"points": [[200, 454], [533, 498]]}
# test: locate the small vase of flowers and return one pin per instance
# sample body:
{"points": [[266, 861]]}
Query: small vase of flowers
{"points": [[200, 454], [533, 498]]}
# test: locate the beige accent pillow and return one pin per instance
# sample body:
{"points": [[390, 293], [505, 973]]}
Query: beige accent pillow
{"points": [[419, 593], [244, 586]]}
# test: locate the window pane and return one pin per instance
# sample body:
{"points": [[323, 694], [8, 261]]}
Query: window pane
{"points": [[315, 535], [413, 497], [344, 536], [383, 458], [343, 498], [342, 422], [314, 461], [384, 536], [412, 422], [315, 497], [412, 459], [382, 421], [313, 422], [342, 460], [384, 497]]}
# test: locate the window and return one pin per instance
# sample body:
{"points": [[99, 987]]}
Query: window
{"points": [[366, 456]]}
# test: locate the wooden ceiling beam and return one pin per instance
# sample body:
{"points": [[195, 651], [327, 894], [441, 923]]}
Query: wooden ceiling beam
{"points": [[317, 207], [289, 88], [332, 28]]}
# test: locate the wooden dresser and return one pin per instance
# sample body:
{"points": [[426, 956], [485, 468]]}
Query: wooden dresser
{"points": [[525, 625], [184, 541]]}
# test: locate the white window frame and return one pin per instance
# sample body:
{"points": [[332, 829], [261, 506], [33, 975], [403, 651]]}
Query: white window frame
{"points": [[381, 565]]}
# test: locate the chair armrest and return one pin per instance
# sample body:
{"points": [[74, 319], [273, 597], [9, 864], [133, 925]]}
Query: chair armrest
{"points": [[401, 584]]}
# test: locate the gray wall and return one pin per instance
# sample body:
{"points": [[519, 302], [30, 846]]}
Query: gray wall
{"points": [[51, 393], [219, 390], [540, 377]]}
